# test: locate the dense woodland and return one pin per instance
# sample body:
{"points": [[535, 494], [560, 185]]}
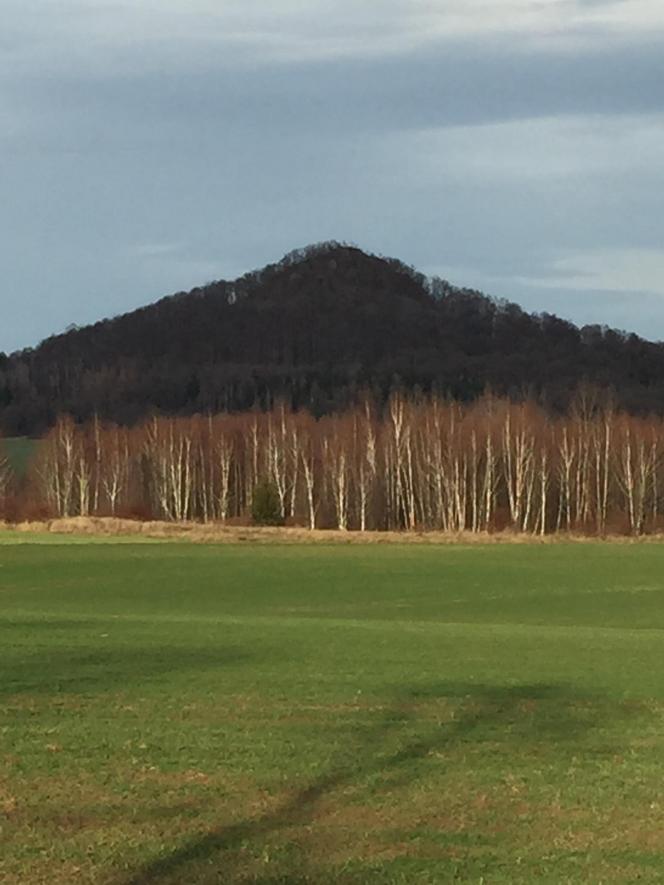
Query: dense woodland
{"points": [[419, 463], [316, 330]]}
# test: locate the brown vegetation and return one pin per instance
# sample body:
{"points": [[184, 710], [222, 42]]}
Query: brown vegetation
{"points": [[423, 465]]}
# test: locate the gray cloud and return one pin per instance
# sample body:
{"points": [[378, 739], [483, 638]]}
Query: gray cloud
{"points": [[144, 153], [462, 83]]}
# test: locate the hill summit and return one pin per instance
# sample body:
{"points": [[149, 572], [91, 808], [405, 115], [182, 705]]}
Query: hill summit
{"points": [[323, 324]]}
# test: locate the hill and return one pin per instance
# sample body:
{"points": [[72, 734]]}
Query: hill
{"points": [[316, 328]]}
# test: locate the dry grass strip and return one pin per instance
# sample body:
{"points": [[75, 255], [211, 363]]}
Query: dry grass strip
{"points": [[218, 533]]}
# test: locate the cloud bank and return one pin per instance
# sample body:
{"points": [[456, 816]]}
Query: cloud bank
{"points": [[514, 145]]}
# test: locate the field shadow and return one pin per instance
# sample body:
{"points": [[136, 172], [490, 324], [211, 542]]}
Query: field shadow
{"points": [[90, 671], [394, 751]]}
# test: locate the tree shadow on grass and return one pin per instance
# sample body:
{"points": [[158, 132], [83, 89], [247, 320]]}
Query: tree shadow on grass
{"points": [[395, 751], [89, 671]]}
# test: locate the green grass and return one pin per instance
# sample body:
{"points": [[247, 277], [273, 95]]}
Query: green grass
{"points": [[197, 714], [19, 450]]}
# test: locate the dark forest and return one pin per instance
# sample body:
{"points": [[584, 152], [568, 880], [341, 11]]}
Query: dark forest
{"points": [[324, 326]]}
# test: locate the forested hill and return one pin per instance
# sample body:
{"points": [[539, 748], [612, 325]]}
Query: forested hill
{"points": [[323, 324]]}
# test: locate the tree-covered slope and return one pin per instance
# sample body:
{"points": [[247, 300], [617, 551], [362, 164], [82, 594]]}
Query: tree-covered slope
{"points": [[322, 324]]}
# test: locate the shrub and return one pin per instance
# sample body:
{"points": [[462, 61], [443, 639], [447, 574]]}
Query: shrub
{"points": [[265, 505]]}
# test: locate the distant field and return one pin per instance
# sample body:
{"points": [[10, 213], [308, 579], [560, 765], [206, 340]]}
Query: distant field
{"points": [[19, 450], [174, 713]]}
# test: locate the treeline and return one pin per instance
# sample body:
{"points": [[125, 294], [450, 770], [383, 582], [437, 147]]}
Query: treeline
{"points": [[419, 463], [314, 330]]}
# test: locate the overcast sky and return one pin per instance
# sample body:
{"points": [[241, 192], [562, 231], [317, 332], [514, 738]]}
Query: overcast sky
{"points": [[516, 146]]}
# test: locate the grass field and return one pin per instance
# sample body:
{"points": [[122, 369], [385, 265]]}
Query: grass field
{"points": [[175, 713]]}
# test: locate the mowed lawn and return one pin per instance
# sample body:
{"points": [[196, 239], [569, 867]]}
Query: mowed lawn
{"points": [[175, 713]]}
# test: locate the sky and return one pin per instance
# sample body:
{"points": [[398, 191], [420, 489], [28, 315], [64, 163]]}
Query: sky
{"points": [[149, 146]]}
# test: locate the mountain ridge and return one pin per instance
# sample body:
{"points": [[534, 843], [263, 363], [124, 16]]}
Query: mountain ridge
{"points": [[316, 328]]}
